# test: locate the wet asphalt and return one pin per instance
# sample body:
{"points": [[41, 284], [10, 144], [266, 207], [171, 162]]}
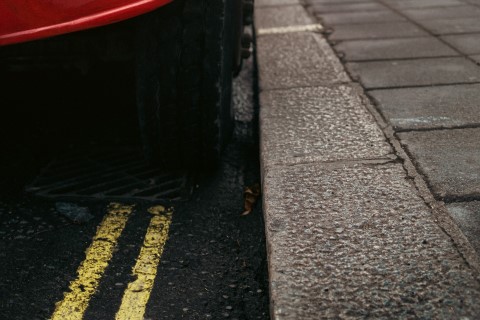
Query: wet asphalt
{"points": [[214, 262]]}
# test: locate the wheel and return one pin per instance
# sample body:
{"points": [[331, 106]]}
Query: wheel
{"points": [[184, 62]]}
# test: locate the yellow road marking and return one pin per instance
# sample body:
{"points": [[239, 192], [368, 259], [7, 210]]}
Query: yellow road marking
{"points": [[75, 302], [137, 294]]}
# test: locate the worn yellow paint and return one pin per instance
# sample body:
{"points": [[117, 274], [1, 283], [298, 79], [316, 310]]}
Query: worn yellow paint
{"points": [[137, 294], [75, 302]]}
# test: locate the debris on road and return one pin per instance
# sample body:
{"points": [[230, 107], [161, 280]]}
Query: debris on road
{"points": [[250, 195], [73, 212]]}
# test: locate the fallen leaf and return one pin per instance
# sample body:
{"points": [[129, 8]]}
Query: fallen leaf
{"points": [[250, 195]]}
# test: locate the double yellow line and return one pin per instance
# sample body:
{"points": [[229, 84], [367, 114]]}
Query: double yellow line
{"points": [[98, 255]]}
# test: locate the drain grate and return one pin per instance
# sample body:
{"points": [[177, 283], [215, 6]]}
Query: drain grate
{"points": [[113, 173]]}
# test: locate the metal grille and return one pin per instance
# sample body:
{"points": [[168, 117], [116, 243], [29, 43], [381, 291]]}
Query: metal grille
{"points": [[113, 173]]}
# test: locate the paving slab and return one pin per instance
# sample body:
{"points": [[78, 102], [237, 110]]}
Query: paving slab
{"points": [[282, 16], [417, 72], [318, 124], [268, 3], [297, 60], [476, 58], [376, 31], [442, 13], [467, 217], [450, 160], [310, 2], [424, 3], [452, 26], [382, 49], [359, 17], [346, 7], [357, 242], [431, 107], [465, 43]]}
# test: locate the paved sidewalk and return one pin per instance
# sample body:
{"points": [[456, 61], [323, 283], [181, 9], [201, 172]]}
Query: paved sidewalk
{"points": [[370, 189], [427, 87]]}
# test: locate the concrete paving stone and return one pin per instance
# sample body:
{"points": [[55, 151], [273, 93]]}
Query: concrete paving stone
{"points": [[269, 3], [296, 60], [376, 31], [424, 3], [282, 16], [359, 17], [443, 13], [467, 217], [417, 72], [452, 26], [450, 159], [346, 7], [351, 242], [310, 2], [424, 47], [431, 107], [318, 124], [476, 58], [465, 43]]}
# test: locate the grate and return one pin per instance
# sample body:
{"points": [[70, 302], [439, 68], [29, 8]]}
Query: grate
{"points": [[112, 173]]}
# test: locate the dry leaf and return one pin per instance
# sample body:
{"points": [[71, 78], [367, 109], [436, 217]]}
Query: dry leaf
{"points": [[250, 195]]}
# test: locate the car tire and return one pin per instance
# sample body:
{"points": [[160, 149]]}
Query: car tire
{"points": [[184, 62]]}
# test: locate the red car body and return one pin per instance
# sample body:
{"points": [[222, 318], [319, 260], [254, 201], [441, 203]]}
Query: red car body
{"points": [[179, 57], [25, 20]]}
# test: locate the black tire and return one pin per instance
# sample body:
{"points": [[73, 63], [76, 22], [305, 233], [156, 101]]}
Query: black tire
{"points": [[184, 63]]}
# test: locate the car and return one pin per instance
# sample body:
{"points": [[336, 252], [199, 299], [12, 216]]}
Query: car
{"points": [[184, 54]]}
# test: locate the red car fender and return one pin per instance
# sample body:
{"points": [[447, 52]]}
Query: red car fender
{"points": [[25, 20]]}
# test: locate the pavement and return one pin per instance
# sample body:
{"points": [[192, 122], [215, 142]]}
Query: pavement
{"points": [[370, 161]]}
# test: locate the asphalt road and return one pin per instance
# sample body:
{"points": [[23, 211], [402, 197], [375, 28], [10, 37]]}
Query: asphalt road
{"points": [[213, 264]]}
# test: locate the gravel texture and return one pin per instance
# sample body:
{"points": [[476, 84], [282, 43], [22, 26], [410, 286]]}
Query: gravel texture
{"points": [[283, 16], [297, 59], [356, 242], [318, 124]]}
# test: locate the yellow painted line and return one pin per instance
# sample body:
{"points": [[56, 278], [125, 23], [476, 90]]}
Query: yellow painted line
{"points": [[137, 294], [75, 302]]}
